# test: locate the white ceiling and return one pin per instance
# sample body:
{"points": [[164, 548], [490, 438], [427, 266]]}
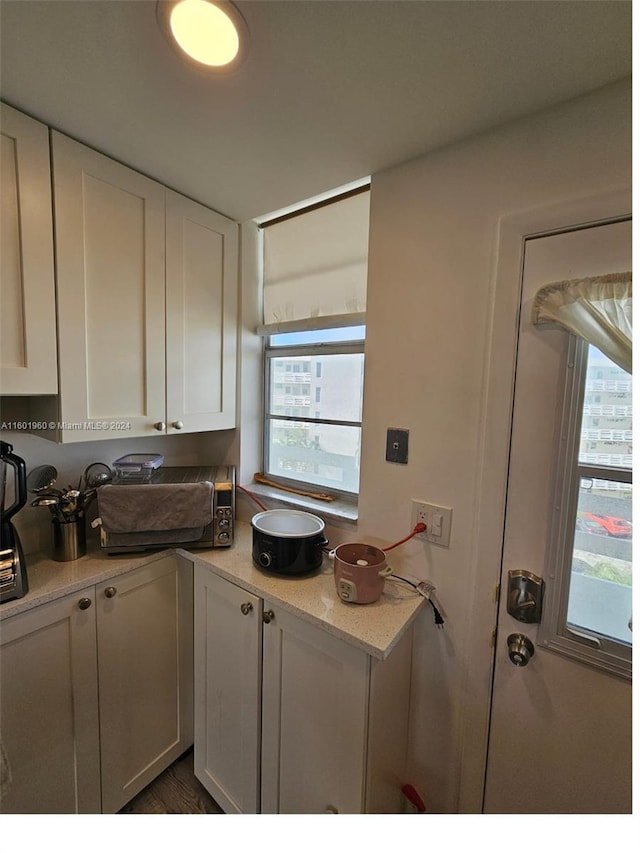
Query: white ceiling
{"points": [[331, 90]]}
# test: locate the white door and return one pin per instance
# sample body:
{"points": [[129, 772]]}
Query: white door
{"points": [[560, 733]]}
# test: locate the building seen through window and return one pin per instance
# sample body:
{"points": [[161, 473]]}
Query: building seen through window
{"points": [[314, 407]]}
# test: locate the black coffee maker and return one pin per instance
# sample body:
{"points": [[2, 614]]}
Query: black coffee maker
{"points": [[13, 490]]}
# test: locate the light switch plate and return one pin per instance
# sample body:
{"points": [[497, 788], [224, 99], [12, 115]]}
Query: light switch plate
{"points": [[398, 446]]}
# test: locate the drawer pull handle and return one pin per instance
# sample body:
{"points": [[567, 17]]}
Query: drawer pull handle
{"points": [[267, 616], [110, 591], [246, 608], [84, 603]]}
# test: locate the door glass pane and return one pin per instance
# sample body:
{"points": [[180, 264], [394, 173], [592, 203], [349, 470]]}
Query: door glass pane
{"points": [[606, 438], [600, 598]]}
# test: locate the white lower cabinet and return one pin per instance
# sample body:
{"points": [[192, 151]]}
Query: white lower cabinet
{"points": [[290, 719], [228, 670], [145, 675], [96, 695], [49, 709]]}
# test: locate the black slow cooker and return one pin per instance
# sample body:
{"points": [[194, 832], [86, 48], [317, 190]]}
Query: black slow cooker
{"points": [[288, 541]]}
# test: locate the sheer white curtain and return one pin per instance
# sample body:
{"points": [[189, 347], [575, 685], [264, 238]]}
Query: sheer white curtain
{"points": [[597, 309]]}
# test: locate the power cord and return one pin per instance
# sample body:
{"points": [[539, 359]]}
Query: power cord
{"points": [[419, 528], [425, 589]]}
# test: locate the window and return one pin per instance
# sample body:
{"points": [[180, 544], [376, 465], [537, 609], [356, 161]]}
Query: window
{"points": [[588, 610], [314, 301], [320, 445]]}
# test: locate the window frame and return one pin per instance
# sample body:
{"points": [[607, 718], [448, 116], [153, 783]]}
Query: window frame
{"points": [[556, 635], [271, 352]]}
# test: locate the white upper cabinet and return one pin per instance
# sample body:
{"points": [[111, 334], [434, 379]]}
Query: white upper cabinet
{"points": [[28, 363], [147, 284], [110, 280], [202, 277]]}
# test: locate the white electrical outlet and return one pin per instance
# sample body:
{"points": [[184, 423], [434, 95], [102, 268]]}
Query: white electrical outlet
{"points": [[437, 520]]}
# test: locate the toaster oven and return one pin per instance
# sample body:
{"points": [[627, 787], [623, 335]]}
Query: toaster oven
{"points": [[187, 506]]}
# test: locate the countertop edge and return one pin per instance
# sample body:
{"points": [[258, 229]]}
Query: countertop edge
{"points": [[376, 634], [378, 652]]}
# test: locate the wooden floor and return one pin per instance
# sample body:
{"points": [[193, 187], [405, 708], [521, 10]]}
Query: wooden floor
{"points": [[176, 791]]}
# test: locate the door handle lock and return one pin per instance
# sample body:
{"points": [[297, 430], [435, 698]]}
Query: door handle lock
{"points": [[524, 596], [520, 648]]}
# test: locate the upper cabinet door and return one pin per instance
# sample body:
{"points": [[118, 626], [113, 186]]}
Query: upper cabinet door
{"points": [[111, 307], [201, 292], [28, 363]]}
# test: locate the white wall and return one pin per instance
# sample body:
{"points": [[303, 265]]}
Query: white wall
{"points": [[432, 268]]}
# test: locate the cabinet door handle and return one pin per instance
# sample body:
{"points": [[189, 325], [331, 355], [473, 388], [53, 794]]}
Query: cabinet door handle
{"points": [[331, 810], [160, 426], [268, 615], [110, 591], [246, 608], [177, 424], [84, 603]]}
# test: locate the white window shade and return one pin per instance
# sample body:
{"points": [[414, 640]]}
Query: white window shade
{"points": [[315, 266]]}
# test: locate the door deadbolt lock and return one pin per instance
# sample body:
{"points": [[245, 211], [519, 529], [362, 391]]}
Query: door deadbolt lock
{"points": [[524, 596]]}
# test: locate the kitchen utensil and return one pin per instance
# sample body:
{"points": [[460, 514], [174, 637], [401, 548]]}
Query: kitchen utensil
{"points": [[42, 479], [53, 503], [70, 503], [45, 500], [87, 498], [288, 542], [13, 480], [359, 572], [96, 474]]}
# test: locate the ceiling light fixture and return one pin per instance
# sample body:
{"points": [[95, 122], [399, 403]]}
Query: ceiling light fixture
{"points": [[207, 31]]}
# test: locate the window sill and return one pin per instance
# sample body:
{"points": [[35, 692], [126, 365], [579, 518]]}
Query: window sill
{"points": [[340, 509]]}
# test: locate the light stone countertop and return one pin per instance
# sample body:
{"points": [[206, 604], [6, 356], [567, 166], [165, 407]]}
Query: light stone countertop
{"points": [[375, 628]]}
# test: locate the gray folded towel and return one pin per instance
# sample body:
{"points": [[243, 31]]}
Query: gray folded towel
{"points": [[161, 507]]}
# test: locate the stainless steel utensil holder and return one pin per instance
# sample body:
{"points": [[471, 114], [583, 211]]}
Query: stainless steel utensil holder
{"points": [[69, 540]]}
